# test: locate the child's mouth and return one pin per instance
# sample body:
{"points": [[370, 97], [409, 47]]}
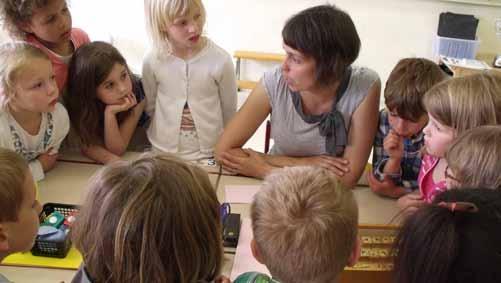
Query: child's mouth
{"points": [[195, 38], [66, 34]]}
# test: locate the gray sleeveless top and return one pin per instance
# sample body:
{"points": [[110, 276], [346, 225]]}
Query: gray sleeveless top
{"points": [[296, 134]]}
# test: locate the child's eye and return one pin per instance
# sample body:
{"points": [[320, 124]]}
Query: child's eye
{"points": [[197, 17], [109, 85], [436, 126], [37, 85], [50, 20], [123, 76]]}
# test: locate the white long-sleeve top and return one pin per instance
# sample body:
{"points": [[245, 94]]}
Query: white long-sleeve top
{"points": [[206, 82], [53, 129]]}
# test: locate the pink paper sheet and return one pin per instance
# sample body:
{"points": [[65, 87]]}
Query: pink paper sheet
{"points": [[244, 261], [240, 193]]}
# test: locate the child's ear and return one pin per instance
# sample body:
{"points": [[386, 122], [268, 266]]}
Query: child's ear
{"points": [[355, 253], [4, 239], [255, 251]]}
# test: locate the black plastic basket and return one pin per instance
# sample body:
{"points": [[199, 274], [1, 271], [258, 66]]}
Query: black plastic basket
{"points": [[49, 248]]}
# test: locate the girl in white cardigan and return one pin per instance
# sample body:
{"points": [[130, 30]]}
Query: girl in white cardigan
{"points": [[189, 81], [32, 121]]}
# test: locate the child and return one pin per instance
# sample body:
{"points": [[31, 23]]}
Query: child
{"points": [[453, 106], [455, 240], [473, 160], [305, 227], [106, 102], [155, 219], [32, 122], [47, 25], [19, 213], [189, 81], [396, 157]]}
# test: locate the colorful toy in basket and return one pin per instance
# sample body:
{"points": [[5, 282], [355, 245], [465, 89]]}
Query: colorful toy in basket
{"points": [[53, 239]]}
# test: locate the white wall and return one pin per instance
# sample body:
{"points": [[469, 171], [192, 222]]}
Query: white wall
{"points": [[389, 29]]}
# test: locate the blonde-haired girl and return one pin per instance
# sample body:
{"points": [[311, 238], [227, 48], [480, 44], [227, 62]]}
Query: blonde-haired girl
{"points": [[453, 107], [155, 219], [473, 159], [189, 81], [32, 122]]}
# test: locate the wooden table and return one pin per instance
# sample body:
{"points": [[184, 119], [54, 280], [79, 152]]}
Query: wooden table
{"points": [[67, 182]]}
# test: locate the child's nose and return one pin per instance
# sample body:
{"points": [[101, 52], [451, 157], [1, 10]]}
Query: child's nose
{"points": [[426, 129], [122, 87], [399, 125], [193, 27], [65, 22], [52, 89]]}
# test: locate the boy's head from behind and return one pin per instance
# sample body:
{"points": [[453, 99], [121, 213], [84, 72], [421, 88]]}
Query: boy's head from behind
{"points": [[409, 80], [473, 159], [155, 219], [305, 225], [19, 214]]}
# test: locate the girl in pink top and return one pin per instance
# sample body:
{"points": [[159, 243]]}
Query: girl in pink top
{"points": [[48, 26], [453, 107]]}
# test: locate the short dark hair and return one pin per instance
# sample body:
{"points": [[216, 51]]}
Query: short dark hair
{"points": [[409, 80], [441, 245], [327, 34]]}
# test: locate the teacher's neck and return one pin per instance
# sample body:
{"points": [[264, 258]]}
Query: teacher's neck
{"points": [[321, 93]]}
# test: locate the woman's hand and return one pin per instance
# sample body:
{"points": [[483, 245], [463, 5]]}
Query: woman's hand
{"points": [[245, 162], [336, 165]]}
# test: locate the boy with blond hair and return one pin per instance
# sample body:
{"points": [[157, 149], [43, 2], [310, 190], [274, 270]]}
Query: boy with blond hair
{"points": [[20, 209], [305, 227], [399, 139]]}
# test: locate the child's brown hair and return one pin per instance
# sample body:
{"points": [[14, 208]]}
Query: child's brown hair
{"points": [[16, 12], [466, 102], [409, 80], [474, 158], [155, 219], [13, 170], [305, 224], [89, 67]]}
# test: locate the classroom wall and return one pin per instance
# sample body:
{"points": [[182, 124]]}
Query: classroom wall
{"points": [[389, 29]]}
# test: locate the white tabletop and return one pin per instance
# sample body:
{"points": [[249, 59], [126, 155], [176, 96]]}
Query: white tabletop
{"points": [[67, 182]]}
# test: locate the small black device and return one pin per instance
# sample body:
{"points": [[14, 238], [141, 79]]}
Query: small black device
{"points": [[231, 230]]}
